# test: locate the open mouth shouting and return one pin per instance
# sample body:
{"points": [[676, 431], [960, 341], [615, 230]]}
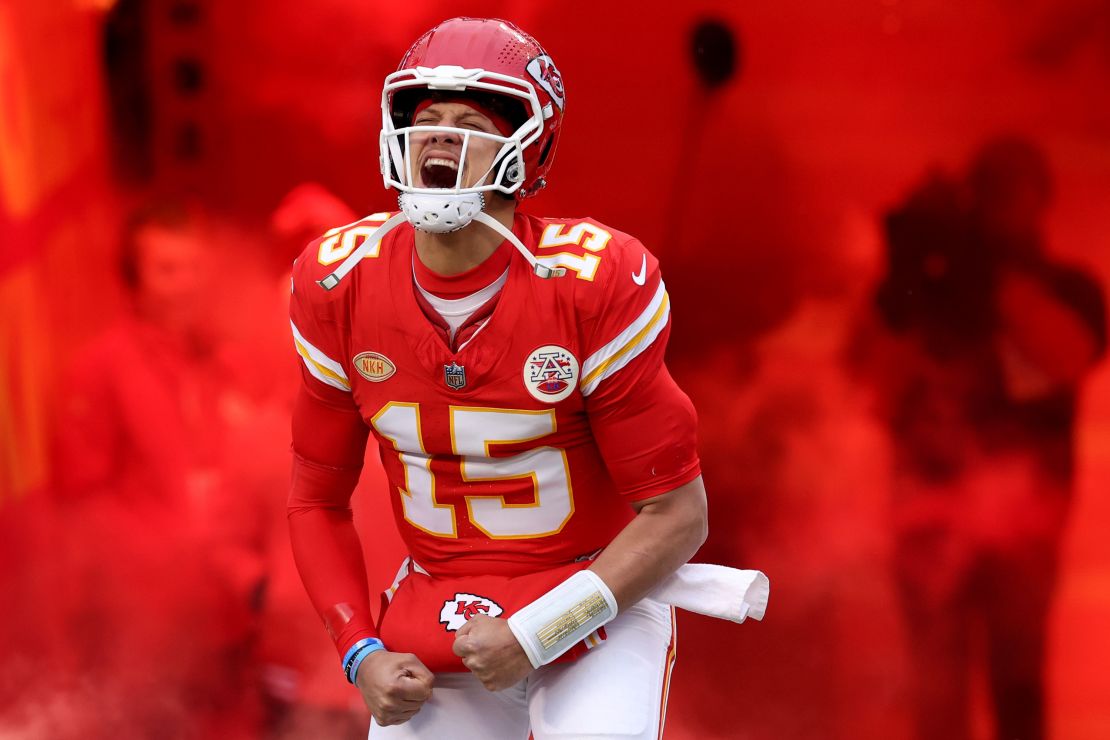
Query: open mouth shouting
{"points": [[439, 172]]}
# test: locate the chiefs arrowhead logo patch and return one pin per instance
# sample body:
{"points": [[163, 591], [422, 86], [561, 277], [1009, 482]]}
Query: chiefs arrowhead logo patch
{"points": [[458, 611]]}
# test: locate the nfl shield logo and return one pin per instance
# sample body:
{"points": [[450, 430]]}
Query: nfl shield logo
{"points": [[454, 375]]}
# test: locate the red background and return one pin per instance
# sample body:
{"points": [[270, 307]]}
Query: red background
{"points": [[761, 198]]}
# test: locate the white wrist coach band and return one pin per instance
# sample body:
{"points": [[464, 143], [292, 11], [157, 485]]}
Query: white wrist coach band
{"points": [[563, 617]]}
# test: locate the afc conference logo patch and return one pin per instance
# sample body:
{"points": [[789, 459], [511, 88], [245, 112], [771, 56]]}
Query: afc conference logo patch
{"points": [[550, 373], [458, 611], [373, 366]]}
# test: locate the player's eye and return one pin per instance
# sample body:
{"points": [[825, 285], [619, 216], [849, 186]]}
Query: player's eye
{"points": [[475, 125]]}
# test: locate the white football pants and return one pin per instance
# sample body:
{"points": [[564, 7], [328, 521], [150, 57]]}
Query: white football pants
{"points": [[616, 690]]}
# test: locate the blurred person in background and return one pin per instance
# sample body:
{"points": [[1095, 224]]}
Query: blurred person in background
{"points": [[167, 563], [977, 356], [304, 213]]}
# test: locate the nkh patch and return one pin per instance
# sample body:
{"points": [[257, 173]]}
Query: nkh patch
{"points": [[458, 611], [374, 366], [454, 375], [550, 373]]}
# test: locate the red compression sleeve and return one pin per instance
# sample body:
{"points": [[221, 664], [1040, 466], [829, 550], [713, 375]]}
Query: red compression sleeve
{"points": [[328, 447]]}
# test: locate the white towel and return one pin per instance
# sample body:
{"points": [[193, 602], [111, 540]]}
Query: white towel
{"points": [[716, 591]]}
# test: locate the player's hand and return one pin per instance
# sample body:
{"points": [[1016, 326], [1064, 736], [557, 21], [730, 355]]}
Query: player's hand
{"points": [[394, 686], [490, 650]]}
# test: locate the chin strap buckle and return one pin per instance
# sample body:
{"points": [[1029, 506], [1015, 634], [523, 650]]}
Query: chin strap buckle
{"points": [[546, 272]]}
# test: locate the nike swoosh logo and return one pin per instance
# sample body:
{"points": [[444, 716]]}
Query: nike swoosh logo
{"points": [[641, 277]]}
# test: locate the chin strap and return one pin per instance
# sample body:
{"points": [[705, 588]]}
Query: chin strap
{"points": [[539, 269]]}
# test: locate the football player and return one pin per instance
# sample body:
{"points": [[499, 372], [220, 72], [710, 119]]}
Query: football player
{"points": [[542, 460]]}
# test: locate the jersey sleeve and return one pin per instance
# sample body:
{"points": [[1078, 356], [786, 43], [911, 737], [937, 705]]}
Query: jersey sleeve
{"points": [[623, 314], [644, 425], [317, 328]]}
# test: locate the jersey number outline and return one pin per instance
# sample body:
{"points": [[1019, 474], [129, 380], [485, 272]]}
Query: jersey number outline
{"points": [[474, 431], [589, 236], [339, 242]]}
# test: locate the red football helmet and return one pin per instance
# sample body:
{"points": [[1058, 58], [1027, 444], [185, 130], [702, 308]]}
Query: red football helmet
{"points": [[502, 67]]}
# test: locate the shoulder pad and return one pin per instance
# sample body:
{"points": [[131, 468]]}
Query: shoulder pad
{"points": [[590, 251], [325, 253]]}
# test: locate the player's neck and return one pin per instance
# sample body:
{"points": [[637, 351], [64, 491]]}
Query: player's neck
{"points": [[465, 249]]}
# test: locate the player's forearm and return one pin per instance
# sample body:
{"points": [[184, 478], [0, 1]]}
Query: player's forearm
{"points": [[665, 534], [328, 554], [328, 447], [326, 547]]}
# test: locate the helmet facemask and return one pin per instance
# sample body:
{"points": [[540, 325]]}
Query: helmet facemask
{"points": [[449, 208]]}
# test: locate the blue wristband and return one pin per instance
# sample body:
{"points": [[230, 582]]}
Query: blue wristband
{"points": [[358, 652]]}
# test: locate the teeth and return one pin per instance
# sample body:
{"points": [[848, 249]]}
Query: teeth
{"points": [[441, 163]]}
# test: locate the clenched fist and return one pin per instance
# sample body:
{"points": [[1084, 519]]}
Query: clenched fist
{"points": [[490, 650], [394, 686]]}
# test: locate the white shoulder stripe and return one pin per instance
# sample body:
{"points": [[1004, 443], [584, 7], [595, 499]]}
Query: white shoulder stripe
{"points": [[637, 337], [322, 367]]}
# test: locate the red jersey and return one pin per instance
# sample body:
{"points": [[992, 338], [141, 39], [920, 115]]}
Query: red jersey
{"points": [[520, 449]]}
